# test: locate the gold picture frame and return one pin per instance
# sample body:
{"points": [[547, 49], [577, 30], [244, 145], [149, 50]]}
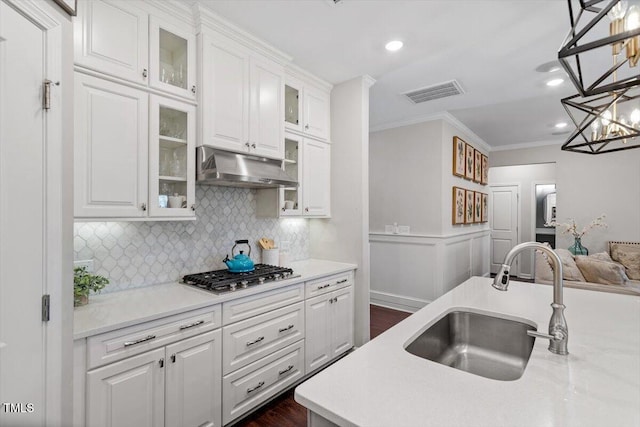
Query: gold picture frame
{"points": [[468, 206], [485, 170], [459, 153], [477, 166], [469, 153], [477, 206], [485, 208], [457, 205]]}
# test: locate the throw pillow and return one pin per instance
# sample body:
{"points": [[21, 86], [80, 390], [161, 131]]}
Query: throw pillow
{"points": [[602, 256], [570, 270], [629, 256], [598, 271]]}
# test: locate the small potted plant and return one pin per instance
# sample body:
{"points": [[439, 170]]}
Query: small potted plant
{"points": [[85, 282]]}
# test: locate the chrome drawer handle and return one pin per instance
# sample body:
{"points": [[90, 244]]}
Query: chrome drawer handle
{"points": [[284, 371], [285, 329], [141, 340], [191, 325], [324, 286], [342, 281], [257, 340], [252, 389]]}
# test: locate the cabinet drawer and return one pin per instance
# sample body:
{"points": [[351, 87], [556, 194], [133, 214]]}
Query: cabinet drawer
{"points": [[243, 308], [328, 284], [255, 383], [119, 344], [249, 340]]}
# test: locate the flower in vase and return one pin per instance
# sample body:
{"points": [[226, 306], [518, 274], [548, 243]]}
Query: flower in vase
{"points": [[572, 228]]}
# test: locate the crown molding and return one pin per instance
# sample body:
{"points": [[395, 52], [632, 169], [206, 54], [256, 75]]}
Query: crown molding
{"points": [[205, 19], [368, 80], [524, 145], [175, 9], [444, 116], [300, 73]]}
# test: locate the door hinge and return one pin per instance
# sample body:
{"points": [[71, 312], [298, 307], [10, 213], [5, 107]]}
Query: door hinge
{"points": [[46, 304], [46, 93]]}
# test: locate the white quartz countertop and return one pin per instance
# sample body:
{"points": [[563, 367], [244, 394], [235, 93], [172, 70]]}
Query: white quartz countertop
{"points": [[107, 312], [597, 384]]}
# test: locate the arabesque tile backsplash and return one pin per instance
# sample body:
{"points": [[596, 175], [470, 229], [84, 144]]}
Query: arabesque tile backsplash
{"points": [[136, 254]]}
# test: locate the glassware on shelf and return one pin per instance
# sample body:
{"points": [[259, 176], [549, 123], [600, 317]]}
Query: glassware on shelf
{"points": [[177, 165], [165, 162], [163, 197]]}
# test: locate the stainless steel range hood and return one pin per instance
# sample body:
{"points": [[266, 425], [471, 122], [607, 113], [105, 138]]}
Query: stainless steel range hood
{"points": [[219, 167]]}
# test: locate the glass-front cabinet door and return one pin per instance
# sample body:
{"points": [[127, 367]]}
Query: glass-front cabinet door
{"points": [[171, 158], [291, 197], [172, 58], [293, 104]]}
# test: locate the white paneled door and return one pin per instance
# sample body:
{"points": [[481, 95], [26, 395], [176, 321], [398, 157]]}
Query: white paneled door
{"points": [[29, 207], [503, 217]]}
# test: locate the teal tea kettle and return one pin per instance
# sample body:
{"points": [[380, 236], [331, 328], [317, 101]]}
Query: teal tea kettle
{"points": [[240, 263]]}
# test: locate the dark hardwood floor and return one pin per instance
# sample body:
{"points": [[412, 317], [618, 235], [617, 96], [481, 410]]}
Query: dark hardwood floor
{"points": [[285, 411]]}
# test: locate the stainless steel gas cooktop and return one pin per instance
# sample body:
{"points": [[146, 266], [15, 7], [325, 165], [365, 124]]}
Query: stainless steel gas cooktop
{"points": [[223, 281]]}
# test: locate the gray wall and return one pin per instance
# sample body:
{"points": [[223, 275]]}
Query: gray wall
{"points": [[588, 186], [135, 254]]}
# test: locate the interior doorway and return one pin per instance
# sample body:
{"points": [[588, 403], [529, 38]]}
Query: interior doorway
{"points": [[504, 215]]}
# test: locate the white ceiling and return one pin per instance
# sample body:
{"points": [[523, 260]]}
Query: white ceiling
{"points": [[491, 47]]}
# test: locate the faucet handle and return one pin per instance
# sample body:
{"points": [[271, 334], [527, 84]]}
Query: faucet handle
{"points": [[557, 335]]}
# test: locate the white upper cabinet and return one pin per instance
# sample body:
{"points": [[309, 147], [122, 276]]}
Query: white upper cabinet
{"points": [[306, 109], [316, 178], [224, 98], [111, 37], [242, 99], [267, 107], [172, 58], [316, 113], [122, 39], [110, 149]]}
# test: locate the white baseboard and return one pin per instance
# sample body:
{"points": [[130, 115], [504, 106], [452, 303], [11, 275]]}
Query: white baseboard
{"points": [[396, 302]]}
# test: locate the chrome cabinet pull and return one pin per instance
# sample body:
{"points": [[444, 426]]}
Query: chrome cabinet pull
{"points": [[253, 145], [285, 329], [191, 325], [342, 281], [324, 286], [141, 340], [193, 89], [143, 207], [247, 144], [193, 207], [284, 371], [306, 209], [252, 389], [173, 358], [145, 73], [161, 363], [257, 340]]}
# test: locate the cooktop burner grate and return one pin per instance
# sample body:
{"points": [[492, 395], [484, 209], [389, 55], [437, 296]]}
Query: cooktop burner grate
{"points": [[220, 281]]}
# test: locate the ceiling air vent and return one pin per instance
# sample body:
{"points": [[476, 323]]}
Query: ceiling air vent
{"points": [[441, 90]]}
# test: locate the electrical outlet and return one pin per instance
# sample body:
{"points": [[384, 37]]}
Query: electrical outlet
{"points": [[84, 263], [403, 229]]}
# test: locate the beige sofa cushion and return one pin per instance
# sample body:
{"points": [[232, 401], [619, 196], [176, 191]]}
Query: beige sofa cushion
{"points": [[629, 256], [570, 270], [598, 271]]}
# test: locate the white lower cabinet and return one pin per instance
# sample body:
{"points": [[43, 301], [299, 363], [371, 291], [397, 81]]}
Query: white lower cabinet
{"points": [[177, 385], [329, 327], [255, 383]]}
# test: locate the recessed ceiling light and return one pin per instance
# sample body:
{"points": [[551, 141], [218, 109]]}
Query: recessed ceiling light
{"points": [[394, 45], [555, 82], [561, 125]]}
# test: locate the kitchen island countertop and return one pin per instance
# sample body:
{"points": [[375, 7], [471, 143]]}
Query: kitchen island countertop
{"points": [[597, 384], [110, 311]]}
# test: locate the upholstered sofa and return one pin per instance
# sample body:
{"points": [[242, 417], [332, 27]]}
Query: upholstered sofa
{"points": [[617, 270]]}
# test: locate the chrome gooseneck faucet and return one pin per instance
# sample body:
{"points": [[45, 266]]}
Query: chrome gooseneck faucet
{"points": [[558, 333]]}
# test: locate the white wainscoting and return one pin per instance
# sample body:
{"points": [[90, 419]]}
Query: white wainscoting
{"points": [[410, 271]]}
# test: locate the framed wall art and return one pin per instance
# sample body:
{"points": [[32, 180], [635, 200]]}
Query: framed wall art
{"points": [[69, 6], [469, 153], [459, 147], [477, 207], [485, 208], [468, 206], [477, 166], [485, 170], [457, 208]]}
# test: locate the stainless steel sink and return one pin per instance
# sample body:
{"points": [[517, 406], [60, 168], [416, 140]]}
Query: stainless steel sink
{"points": [[483, 345]]}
